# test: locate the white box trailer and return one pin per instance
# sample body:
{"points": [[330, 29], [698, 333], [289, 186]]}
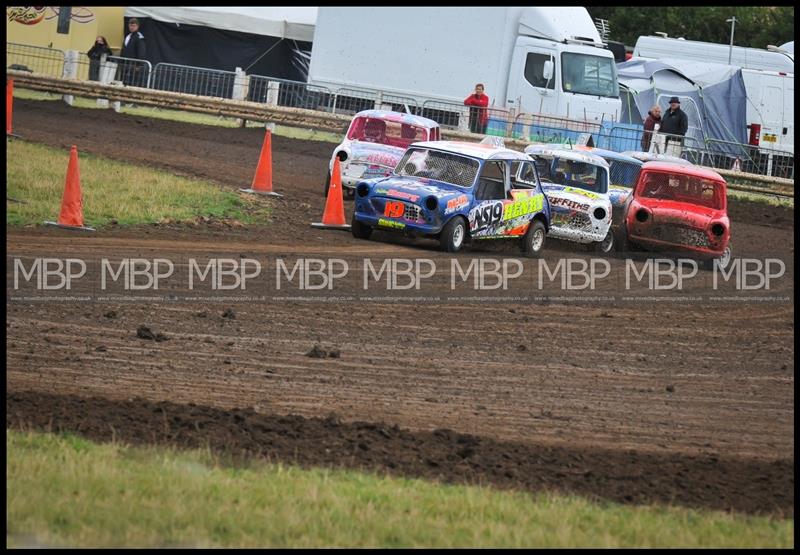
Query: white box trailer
{"points": [[740, 56], [768, 79], [535, 60]]}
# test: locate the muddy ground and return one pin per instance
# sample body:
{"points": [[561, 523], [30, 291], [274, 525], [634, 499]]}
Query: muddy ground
{"points": [[685, 402]]}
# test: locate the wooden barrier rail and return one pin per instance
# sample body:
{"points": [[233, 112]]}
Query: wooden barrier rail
{"points": [[294, 117]]}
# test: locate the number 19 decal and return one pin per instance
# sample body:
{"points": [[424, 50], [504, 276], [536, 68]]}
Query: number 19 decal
{"points": [[394, 209]]}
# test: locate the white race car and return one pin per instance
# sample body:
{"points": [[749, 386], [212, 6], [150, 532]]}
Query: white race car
{"points": [[576, 184]]}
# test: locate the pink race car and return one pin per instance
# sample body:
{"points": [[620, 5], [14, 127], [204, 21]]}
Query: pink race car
{"points": [[374, 144], [679, 208]]}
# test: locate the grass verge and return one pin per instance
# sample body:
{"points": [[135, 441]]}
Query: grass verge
{"points": [[766, 198], [114, 191], [67, 491], [187, 117]]}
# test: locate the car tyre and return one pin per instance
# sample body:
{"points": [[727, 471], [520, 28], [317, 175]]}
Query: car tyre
{"points": [[533, 242], [453, 235], [724, 260], [621, 241], [359, 229], [607, 244]]}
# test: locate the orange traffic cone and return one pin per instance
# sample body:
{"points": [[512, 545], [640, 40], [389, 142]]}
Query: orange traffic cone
{"points": [[71, 216], [333, 217], [9, 107], [262, 181]]}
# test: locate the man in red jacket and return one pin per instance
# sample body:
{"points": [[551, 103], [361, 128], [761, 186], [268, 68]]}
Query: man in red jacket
{"points": [[478, 114]]}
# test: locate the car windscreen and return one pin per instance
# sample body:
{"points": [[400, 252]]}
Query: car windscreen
{"points": [[572, 173], [624, 173], [381, 131], [442, 166], [683, 188]]}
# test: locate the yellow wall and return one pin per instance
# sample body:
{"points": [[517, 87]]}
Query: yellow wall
{"points": [[37, 27]]}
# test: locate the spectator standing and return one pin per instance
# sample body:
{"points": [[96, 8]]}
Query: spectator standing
{"points": [[478, 114], [653, 119], [133, 47], [96, 53], [674, 123]]}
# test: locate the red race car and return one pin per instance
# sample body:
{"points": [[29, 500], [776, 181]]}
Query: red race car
{"points": [[679, 208]]}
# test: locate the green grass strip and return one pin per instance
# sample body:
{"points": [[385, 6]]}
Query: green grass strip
{"points": [[67, 491], [112, 190], [186, 117]]}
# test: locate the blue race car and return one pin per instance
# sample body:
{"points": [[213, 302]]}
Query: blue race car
{"points": [[457, 191]]}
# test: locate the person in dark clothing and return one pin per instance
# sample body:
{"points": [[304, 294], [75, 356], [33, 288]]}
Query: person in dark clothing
{"points": [[674, 123], [133, 48], [478, 115], [653, 118], [95, 54]]}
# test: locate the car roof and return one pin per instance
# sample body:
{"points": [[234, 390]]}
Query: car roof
{"points": [[695, 171], [610, 154], [398, 117], [567, 154], [652, 157], [475, 150]]}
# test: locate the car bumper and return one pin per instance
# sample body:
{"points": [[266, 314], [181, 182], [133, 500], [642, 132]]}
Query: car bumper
{"points": [[577, 235], [711, 251], [397, 224]]}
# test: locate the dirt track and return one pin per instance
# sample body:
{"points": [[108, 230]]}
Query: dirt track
{"points": [[684, 402]]}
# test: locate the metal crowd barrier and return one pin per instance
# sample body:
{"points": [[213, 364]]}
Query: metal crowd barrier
{"points": [[352, 100], [292, 94], [733, 156], [449, 114], [132, 72], [36, 59], [193, 80], [538, 128]]}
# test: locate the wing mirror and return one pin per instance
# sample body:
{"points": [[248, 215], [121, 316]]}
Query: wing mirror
{"points": [[547, 70]]}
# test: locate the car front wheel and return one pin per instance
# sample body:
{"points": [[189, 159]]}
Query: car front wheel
{"points": [[723, 260], [607, 244], [453, 235], [359, 229]]}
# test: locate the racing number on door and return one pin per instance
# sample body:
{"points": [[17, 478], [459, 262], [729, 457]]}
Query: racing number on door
{"points": [[394, 209], [488, 215]]}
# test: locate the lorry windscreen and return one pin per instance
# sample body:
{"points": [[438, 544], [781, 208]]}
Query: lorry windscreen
{"points": [[587, 74]]}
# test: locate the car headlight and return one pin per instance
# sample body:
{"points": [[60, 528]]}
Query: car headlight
{"points": [[600, 213]]}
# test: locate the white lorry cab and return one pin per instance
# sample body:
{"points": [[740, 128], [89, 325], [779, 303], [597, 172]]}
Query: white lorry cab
{"points": [[544, 60]]}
